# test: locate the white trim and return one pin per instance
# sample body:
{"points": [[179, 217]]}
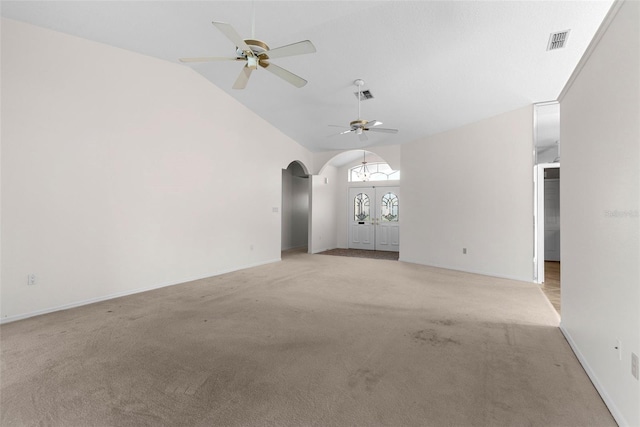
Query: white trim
{"points": [[615, 7], [317, 251], [538, 225], [617, 414], [481, 273], [17, 317]]}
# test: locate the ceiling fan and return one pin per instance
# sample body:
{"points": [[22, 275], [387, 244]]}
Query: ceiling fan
{"points": [[360, 126], [257, 53]]}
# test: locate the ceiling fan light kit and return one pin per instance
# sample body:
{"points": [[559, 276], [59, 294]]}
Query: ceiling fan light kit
{"points": [[363, 173], [257, 53]]}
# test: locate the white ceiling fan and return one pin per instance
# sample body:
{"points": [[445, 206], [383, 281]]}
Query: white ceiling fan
{"points": [[360, 126], [257, 53]]}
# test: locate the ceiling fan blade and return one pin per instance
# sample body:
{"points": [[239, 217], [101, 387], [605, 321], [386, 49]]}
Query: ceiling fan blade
{"points": [[373, 123], [297, 81], [299, 48], [210, 59], [363, 137], [232, 35], [341, 133], [385, 130], [243, 78]]}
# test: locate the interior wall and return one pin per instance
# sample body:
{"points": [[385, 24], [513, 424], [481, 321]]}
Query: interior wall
{"points": [[120, 174], [323, 210], [286, 211], [295, 210], [547, 132], [388, 153], [300, 220], [600, 200], [472, 188]]}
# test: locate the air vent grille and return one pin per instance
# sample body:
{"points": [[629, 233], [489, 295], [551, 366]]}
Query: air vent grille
{"points": [[558, 40], [364, 95]]}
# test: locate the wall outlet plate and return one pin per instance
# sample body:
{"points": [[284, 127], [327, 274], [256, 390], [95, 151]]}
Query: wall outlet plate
{"points": [[634, 365]]}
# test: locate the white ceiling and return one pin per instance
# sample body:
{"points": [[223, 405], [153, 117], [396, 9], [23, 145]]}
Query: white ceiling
{"points": [[431, 65]]}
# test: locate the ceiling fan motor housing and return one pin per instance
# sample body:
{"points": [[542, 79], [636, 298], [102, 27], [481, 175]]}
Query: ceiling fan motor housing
{"points": [[258, 47], [358, 124]]}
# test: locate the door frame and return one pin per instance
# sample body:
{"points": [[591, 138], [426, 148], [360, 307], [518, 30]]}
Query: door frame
{"points": [[538, 220], [378, 185]]}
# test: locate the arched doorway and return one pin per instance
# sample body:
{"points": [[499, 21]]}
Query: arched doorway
{"points": [[295, 207], [384, 218]]}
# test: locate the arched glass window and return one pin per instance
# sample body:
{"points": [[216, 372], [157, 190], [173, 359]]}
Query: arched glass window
{"points": [[389, 208], [361, 207], [373, 172]]}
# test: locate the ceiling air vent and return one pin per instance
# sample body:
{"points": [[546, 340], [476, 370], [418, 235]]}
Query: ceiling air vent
{"points": [[364, 95], [558, 40]]}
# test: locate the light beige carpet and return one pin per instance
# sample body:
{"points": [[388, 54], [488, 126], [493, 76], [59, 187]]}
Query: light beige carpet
{"points": [[311, 341]]}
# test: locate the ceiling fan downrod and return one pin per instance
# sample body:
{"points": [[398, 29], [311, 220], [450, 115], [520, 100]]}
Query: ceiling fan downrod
{"points": [[359, 83]]}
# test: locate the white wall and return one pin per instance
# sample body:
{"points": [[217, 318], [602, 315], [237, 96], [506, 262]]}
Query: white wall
{"points": [[472, 188], [300, 219], [323, 210], [121, 172], [286, 211], [295, 210], [387, 153], [600, 201]]}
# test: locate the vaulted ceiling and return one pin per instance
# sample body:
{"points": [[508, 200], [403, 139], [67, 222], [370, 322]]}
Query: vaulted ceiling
{"points": [[430, 65]]}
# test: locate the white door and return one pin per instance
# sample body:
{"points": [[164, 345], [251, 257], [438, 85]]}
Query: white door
{"points": [[552, 220], [374, 221], [387, 219], [361, 218]]}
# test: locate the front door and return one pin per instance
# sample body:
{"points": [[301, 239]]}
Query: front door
{"points": [[374, 221]]}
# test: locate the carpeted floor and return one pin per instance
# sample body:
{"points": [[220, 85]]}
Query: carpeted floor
{"points": [[361, 253], [309, 341]]}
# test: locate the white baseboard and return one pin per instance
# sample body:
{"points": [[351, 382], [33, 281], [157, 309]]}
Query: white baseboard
{"points": [[617, 415], [9, 319], [481, 273], [317, 251]]}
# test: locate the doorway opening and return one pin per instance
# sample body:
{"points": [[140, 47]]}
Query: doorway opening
{"points": [[549, 245], [547, 200], [295, 208]]}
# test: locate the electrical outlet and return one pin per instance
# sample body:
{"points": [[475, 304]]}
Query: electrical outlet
{"points": [[634, 365], [464, 251], [31, 279]]}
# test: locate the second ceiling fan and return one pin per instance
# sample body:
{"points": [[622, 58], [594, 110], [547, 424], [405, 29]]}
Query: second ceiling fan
{"points": [[360, 126]]}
